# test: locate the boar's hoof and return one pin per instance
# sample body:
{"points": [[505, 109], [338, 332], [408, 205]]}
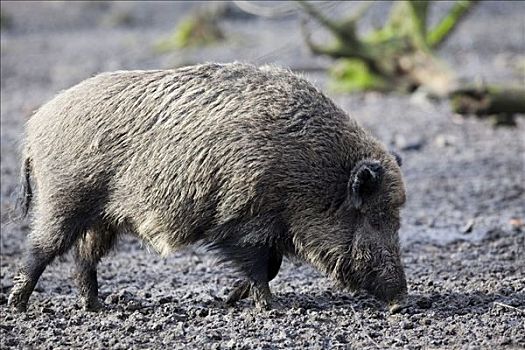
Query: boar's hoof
{"points": [[241, 291], [258, 290], [16, 302], [263, 305], [93, 305], [19, 296], [269, 304], [262, 296]]}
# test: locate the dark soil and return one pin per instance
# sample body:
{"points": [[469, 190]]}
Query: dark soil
{"points": [[463, 247]]}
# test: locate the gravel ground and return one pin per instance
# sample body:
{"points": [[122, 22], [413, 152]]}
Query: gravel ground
{"points": [[466, 285]]}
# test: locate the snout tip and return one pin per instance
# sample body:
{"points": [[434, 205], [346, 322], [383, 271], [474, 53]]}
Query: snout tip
{"points": [[397, 304], [395, 308]]}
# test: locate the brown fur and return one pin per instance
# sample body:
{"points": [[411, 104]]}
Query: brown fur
{"points": [[254, 163]]}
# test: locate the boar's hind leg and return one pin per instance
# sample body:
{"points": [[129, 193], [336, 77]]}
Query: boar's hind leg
{"points": [[51, 236], [89, 249]]}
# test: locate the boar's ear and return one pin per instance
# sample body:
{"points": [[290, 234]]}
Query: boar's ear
{"points": [[396, 155], [364, 180]]}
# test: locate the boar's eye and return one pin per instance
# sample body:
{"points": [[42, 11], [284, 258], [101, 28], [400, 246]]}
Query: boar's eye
{"points": [[365, 179]]}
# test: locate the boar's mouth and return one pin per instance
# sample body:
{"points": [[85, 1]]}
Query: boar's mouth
{"points": [[383, 279], [387, 289], [386, 284]]}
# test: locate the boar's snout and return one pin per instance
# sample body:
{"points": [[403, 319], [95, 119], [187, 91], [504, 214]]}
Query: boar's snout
{"points": [[388, 287]]}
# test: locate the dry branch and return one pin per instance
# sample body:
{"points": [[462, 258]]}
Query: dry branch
{"points": [[400, 53], [488, 100]]}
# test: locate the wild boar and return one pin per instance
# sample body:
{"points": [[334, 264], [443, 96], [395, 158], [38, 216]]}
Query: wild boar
{"points": [[252, 163]]}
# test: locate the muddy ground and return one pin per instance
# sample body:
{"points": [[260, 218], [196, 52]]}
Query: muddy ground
{"points": [[466, 285]]}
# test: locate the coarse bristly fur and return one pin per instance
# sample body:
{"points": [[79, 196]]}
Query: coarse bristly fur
{"points": [[253, 163]]}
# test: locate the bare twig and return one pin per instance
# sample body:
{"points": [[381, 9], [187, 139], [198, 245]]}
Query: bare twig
{"points": [[509, 307], [361, 11], [316, 48], [339, 49], [446, 26], [363, 327], [333, 26], [256, 9]]}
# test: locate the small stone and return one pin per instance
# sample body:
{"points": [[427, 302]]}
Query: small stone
{"points": [[157, 327], [111, 299], [404, 144], [133, 305], [415, 318], [122, 315], [374, 334], [406, 325], [199, 312], [6, 327], [47, 310], [517, 224], [215, 336], [474, 300], [468, 227], [276, 311], [11, 342], [427, 321], [505, 341], [443, 141], [341, 338], [165, 300], [436, 342], [147, 295], [424, 303], [493, 234]]}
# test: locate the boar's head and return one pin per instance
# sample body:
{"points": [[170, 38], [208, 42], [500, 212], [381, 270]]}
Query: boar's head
{"points": [[357, 242], [375, 194]]}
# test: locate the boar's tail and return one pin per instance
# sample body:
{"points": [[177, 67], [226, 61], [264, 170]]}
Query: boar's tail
{"points": [[26, 192]]}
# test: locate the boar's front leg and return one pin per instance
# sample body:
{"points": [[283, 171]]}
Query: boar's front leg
{"points": [[255, 248], [243, 287], [260, 268]]}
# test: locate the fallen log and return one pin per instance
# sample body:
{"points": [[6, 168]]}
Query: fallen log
{"points": [[503, 103]]}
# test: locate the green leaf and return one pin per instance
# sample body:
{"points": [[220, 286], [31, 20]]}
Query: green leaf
{"points": [[354, 75]]}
